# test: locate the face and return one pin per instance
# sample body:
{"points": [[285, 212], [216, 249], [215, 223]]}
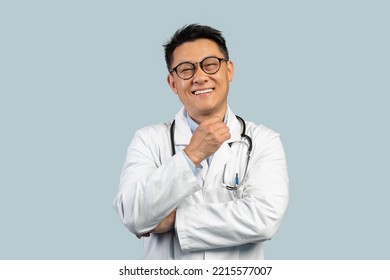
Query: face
{"points": [[203, 95]]}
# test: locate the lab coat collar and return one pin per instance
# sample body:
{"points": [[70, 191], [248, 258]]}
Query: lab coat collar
{"points": [[182, 130]]}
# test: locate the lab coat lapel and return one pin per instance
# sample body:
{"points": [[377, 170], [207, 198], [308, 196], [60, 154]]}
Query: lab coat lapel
{"points": [[235, 127], [205, 170], [221, 157], [182, 130]]}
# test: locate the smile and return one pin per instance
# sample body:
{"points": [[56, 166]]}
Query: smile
{"points": [[197, 92]]}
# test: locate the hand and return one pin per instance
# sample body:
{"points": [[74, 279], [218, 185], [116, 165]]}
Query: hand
{"points": [[166, 224], [143, 235], [207, 139]]}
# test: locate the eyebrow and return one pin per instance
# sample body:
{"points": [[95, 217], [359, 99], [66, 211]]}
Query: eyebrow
{"points": [[207, 56]]}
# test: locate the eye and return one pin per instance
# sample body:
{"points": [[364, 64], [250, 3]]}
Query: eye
{"points": [[210, 65], [185, 68]]}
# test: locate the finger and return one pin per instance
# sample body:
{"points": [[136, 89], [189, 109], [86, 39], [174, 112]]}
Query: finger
{"points": [[220, 132], [143, 235]]}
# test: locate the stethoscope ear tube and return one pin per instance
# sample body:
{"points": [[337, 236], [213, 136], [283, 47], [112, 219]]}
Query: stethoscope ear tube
{"points": [[243, 134]]}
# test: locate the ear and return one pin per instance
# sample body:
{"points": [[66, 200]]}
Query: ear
{"points": [[172, 83], [230, 70]]}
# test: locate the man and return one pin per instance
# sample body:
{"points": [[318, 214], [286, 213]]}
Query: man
{"points": [[197, 188]]}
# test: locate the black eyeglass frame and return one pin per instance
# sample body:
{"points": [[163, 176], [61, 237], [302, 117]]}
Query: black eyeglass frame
{"points": [[200, 63]]}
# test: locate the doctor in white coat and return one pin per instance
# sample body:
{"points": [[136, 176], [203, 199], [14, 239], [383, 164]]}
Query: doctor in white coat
{"points": [[188, 188]]}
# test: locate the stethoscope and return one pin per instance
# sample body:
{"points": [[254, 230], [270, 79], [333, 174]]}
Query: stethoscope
{"points": [[238, 183]]}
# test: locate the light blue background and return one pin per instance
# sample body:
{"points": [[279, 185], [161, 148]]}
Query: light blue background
{"points": [[77, 78]]}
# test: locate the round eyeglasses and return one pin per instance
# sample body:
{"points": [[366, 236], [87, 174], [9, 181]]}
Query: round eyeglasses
{"points": [[210, 65]]}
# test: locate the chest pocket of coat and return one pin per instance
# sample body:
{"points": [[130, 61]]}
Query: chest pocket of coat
{"points": [[235, 169]]}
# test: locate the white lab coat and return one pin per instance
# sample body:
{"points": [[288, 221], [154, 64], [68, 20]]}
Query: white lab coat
{"points": [[211, 222]]}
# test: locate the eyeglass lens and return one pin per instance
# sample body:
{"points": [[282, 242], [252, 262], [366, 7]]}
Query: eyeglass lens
{"points": [[209, 65]]}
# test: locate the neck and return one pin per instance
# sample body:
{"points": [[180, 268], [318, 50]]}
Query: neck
{"points": [[199, 118]]}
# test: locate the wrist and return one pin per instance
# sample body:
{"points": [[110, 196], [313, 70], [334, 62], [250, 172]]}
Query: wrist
{"points": [[196, 160]]}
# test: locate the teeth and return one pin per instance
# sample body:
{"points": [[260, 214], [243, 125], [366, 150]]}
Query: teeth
{"points": [[202, 91]]}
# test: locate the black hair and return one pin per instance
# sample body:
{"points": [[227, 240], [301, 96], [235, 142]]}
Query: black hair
{"points": [[192, 32]]}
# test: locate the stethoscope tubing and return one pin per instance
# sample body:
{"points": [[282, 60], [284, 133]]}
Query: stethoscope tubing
{"points": [[172, 132], [243, 135]]}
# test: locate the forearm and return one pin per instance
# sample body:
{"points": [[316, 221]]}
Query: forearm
{"points": [[253, 216], [148, 193], [219, 225]]}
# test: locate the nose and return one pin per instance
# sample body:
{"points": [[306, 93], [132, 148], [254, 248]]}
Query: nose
{"points": [[200, 76]]}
